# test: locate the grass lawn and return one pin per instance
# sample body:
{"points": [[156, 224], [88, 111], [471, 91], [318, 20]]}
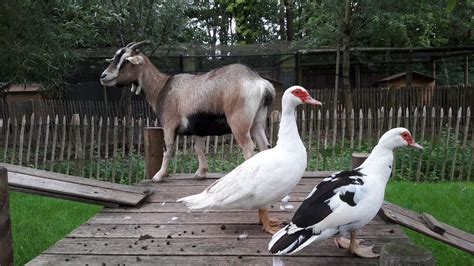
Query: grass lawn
{"points": [[39, 222], [449, 202]]}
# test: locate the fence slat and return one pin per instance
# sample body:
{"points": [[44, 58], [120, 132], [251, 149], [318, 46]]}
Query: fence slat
{"points": [[446, 146], [54, 143], [464, 141], [46, 141], [114, 149], [38, 141], [422, 139], [22, 139], [456, 137]]}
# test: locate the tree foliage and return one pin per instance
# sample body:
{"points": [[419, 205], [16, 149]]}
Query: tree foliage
{"points": [[38, 37]]}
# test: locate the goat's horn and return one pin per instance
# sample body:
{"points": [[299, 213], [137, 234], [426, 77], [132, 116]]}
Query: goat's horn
{"points": [[138, 45], [130, 44]]}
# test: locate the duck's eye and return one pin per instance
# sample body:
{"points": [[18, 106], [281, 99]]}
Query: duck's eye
{"points": [[405, 135]]}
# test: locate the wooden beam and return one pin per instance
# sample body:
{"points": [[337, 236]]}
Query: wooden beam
{"points": [[453, 236], [6, 243], [407, 254], [154, 147]]}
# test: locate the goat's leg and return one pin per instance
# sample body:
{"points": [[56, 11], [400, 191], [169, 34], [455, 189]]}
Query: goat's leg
{"points": [[167, 152], [258, 134], [240, 125], [245, 141], [199, 145]]}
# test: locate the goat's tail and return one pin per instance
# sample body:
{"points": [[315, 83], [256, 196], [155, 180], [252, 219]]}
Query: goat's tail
{"points": [[268, 92], [288, 241]]}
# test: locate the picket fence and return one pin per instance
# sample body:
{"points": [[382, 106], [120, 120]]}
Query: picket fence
{"points": [[111, 148]]}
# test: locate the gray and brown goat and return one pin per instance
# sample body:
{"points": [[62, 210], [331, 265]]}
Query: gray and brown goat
{"points": [[231, 99]]}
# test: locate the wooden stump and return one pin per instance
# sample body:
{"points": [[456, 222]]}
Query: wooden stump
{"points": [[358, 158], [154, 145], [6, 244], [405, 254]]}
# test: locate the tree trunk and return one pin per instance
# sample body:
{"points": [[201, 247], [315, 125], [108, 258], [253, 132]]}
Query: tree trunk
{"points": [[289, 20], [281, 20], [346, 64]]}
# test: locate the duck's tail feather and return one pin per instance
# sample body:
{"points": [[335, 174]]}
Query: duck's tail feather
{"points": [[284, 242], [198, 201]]}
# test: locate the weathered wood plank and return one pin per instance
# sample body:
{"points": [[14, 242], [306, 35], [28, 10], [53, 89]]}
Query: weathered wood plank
{"points": [[100, 260], [73, 189], [372, 230], [195, 217], [412, 220], [74, 179], [196, 246], [6, 240]]}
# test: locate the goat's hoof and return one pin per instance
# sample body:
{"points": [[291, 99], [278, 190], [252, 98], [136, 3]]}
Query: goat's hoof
{"points": [[196, 176], [200, 173], [158, 179]]}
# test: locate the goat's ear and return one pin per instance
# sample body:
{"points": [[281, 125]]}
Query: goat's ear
{"points": [[136, 60]]}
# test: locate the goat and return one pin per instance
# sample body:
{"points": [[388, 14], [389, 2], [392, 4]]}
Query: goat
{"points": [[230, 99]]}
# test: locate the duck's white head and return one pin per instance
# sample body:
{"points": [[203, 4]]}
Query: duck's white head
{"points": [[397, 138], [297, 95]]}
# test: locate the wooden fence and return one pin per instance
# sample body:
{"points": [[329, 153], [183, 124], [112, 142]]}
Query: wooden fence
{"points": [[111, 148], [363, 98]]}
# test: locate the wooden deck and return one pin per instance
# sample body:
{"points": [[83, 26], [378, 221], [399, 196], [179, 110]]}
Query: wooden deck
{"points": [[161, 231]]}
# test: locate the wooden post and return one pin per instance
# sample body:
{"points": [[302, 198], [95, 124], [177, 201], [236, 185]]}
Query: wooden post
{"points": [[358, 158], [154, 147], [6, 243], [406, 254]]}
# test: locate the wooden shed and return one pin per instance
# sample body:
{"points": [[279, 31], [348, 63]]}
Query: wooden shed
{"points": [[417, 80], [423, 84], [21, 98]]}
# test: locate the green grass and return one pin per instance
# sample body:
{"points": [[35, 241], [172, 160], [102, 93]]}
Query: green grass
{"points": [[39, 222], [448, 202]]}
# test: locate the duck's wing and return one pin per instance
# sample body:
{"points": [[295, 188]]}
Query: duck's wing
{"points": [[338, 189]]}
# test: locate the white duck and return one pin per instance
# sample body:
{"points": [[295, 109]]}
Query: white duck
{"points": [[266, 177], [344, 202]]}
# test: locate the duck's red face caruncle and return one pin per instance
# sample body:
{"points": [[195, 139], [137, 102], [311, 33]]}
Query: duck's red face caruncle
{"points": [[305, 97], [409, 139]]}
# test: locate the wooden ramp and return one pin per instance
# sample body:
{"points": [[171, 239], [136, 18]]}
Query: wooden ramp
{"points": [[75, 188], [163, 232]]}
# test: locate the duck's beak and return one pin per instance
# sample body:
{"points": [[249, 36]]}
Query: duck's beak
{"points": [[312, 101], [415, 145]]}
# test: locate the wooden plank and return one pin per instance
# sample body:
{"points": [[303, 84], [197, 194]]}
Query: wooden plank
{"points": [[452, 236], [99, 260], [195, 217], [73, 179], [74, 190], [196, 246], [65, 197], [372, 230], [432, 223]]}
